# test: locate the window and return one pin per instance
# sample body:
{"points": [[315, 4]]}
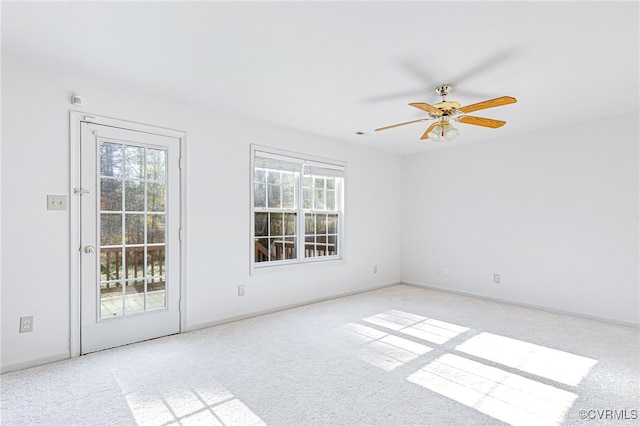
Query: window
{"points": [[297, 208]]}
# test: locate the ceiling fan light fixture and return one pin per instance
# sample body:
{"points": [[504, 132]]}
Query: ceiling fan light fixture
{"points": [[435, 133], [450, 132]]}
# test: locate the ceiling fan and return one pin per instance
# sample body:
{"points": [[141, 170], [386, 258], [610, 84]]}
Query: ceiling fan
{"points": [[446, 111]]}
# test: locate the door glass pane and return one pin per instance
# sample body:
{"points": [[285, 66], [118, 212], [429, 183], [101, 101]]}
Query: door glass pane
{"points": [[156, 293], [110, 194], [155, 261], [110, 299], [132, 233], [110, 264], [134, 196], [155, 164], [134, 258], [110, 229], [134, 296], [134, 229], [155, 228], [134, 162], [155, 197], [110, 159]]}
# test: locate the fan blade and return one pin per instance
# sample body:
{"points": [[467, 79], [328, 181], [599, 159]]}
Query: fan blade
{"points": [[402, 124], [426, 107], [479, 121], [426, 134], [488, 104]]}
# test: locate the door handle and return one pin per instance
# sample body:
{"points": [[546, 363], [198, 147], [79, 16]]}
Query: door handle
{"points": [[89, 249]]}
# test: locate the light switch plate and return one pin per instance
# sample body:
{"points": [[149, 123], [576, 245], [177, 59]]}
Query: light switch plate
{"points": [[56, 202]]}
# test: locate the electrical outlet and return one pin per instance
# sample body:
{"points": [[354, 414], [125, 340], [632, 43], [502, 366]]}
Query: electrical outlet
{"points": [[496, 278], [26, 324], [375, 269], [438, 271], [445, 270], [241, 290], [56, 202]]}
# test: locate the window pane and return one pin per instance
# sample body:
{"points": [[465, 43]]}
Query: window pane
{"points": [[110, 159], [261, 250], [332, 223], [134, 196], [310, 224], [134, 162], [321, 224], [318, 182], [332, 245], [274, 197], [288, 178], [319, 199], [155, 164], [155, 228], [331, 183], [276, 246], [134, 229], [273, 176], [288, 197], [309, 247], [260, 175], [110, 194], [307, 198], [306, 181], [260, 195], [261, 224], [291, 251], [331, 200], [110, 229], [275, 224], [155, 197], [290, 223]]}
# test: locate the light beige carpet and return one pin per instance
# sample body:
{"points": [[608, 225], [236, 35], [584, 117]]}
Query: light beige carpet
{"points": [[396, 356]]}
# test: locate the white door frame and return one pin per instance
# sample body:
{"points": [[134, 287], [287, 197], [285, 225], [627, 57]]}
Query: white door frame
{"points": [[75, 118]]}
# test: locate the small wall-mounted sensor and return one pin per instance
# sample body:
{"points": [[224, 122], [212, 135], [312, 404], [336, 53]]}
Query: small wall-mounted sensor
{"points": [[76, 100]]}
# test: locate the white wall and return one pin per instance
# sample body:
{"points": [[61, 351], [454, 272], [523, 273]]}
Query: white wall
{"points": [[35, 242], [555, 214]]}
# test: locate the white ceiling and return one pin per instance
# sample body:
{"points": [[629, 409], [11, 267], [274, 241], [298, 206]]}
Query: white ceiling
{"points": [[335, 68]]}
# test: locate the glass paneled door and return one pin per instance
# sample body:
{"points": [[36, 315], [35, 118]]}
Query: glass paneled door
{"points": [[130, 223]]}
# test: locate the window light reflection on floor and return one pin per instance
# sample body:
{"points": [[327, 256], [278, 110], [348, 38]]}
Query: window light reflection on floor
{"points": [[542, 361], [211, 406], [382, 349], [423, 328], [500, 394]]}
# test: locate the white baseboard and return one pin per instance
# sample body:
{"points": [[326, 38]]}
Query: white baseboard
{"points": [[34, 362], [524, 305], [285, 307]]}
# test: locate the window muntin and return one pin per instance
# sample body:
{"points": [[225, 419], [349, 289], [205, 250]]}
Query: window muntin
{"points": [[297, 209]]}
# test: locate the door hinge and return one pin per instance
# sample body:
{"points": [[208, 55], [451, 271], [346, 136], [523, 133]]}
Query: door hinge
{"points": [[180, 163], [180, 234]]}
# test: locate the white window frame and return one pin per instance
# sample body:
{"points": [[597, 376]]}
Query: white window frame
{"points": [[304, 161]]}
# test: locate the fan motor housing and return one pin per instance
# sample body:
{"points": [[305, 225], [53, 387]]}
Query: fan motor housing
{"points": [[443, 89]]}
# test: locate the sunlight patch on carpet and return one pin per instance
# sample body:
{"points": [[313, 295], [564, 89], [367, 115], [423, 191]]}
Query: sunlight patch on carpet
{"points": [[545, 362], [500, 394]]}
